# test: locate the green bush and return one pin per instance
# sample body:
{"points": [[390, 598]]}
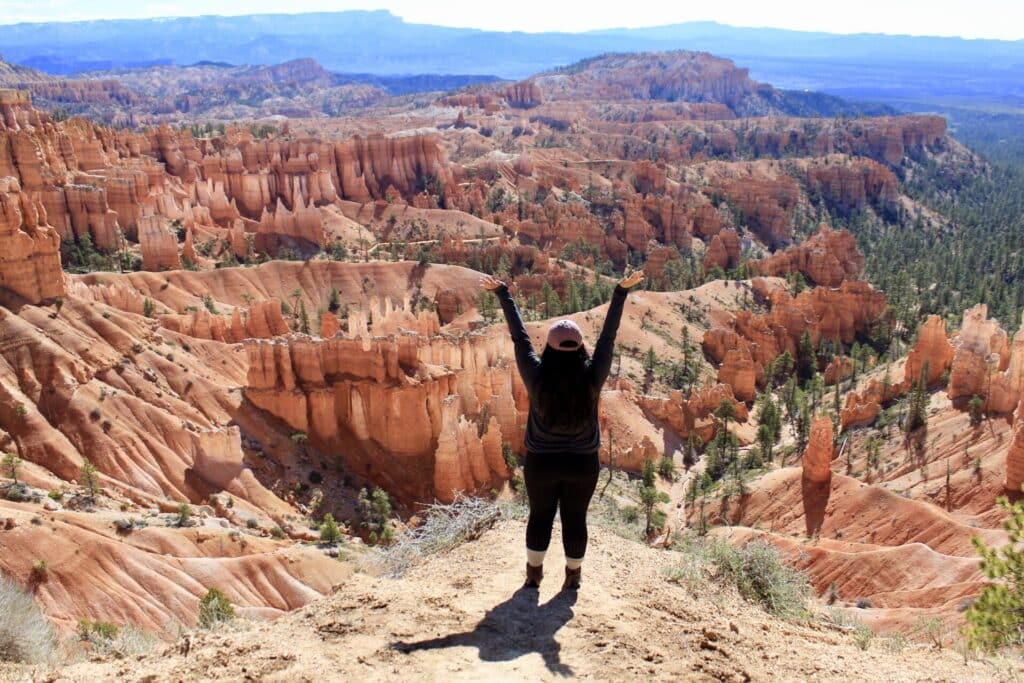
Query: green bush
{"points": [[329, 531], [862, 636], [214, 609], [184, 515], [92, 630], [760, 576], [667, 468]]}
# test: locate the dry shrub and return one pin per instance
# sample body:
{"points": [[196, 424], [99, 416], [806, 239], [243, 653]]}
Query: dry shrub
{"points": [[25, 633]]}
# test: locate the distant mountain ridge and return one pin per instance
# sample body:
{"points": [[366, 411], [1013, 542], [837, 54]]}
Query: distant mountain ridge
{"points": [[862, 66], [217, 90]]}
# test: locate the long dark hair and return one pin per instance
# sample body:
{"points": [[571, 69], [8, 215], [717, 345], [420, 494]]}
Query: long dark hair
{"points": [[563, 395]]}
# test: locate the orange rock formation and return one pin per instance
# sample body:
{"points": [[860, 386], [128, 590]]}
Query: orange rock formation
{"points": [[827, 258], [30, 252], [747, 343], [817, 457], [416, 413]]}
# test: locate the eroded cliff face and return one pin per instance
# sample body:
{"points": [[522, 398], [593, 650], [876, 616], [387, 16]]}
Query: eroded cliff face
{"points": [[685, 76], [745, 343], [29, 248], [111, 184], [424, 416], [981, 363], [693, 415], [827, 258], [979, 358], [1015, 454]]}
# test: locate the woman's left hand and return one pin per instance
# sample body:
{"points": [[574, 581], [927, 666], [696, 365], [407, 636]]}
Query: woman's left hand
{"points": [[490, 283], [632, 280]]}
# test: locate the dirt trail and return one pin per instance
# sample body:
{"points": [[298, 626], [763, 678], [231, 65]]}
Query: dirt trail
{"points": [[463, 616]]}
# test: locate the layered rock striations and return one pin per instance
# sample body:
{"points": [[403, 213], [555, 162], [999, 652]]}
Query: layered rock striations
{"points": [[827, 258], [29, 248], [981, 363], [104, 183], [684, 76], [693, 415], [423, 416]]}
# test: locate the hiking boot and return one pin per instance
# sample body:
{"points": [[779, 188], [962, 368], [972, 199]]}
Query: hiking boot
{"points": [[533, 575], [572, 578]]}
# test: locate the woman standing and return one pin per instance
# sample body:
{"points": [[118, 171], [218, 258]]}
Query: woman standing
{"points": [[562, 431]]}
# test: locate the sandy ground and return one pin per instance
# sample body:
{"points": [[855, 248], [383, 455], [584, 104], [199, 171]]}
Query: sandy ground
{"points": [[463, 616]]}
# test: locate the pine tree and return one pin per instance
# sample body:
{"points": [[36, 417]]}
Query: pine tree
{"points": [[11, 463], [976, 409], [552, 304], [487, 306], [329, 531], [996, 618], [918, 404], [725, 411], [304, 325], [806, 357], [650, 496], [89, 479]]}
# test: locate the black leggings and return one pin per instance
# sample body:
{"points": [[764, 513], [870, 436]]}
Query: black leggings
{"points": [[566, 481]]}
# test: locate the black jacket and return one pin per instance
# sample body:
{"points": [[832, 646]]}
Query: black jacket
{"points": [[543, 437]]}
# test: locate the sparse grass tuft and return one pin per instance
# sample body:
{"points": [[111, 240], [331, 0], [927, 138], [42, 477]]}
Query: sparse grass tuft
{"points": [[215, 609], [25, 634], [896, 642], [756, 570], [862, 636]]}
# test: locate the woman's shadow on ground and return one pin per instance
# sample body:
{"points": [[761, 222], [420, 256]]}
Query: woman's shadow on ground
{"points": [[514, 628]]}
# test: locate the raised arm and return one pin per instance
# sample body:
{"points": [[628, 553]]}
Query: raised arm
{"points": [[526, 359], [601, 361]]}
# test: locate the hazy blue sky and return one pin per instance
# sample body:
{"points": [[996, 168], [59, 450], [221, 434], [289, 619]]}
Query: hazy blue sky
{"points": [[971, 18]]}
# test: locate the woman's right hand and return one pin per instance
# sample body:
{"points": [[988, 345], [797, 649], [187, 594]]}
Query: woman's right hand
{"points": [[632, 280], [490, 283]]}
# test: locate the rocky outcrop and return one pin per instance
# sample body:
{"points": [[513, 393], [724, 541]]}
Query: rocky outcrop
{"points": [[862, 408], [766, 196], [839, 369], [159, 246], [262, 320], [692, 415], [302, 226], [981, 361], [746, 343], [418, 414], [523, 95], [723, 251], [817, 456], [366, 167], [827, 258], [29, 248], [329, 325], [740, 372], [979, 358], [104, 183], [671, 76], [1015, 454], [932, 354], [852, 184]]}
